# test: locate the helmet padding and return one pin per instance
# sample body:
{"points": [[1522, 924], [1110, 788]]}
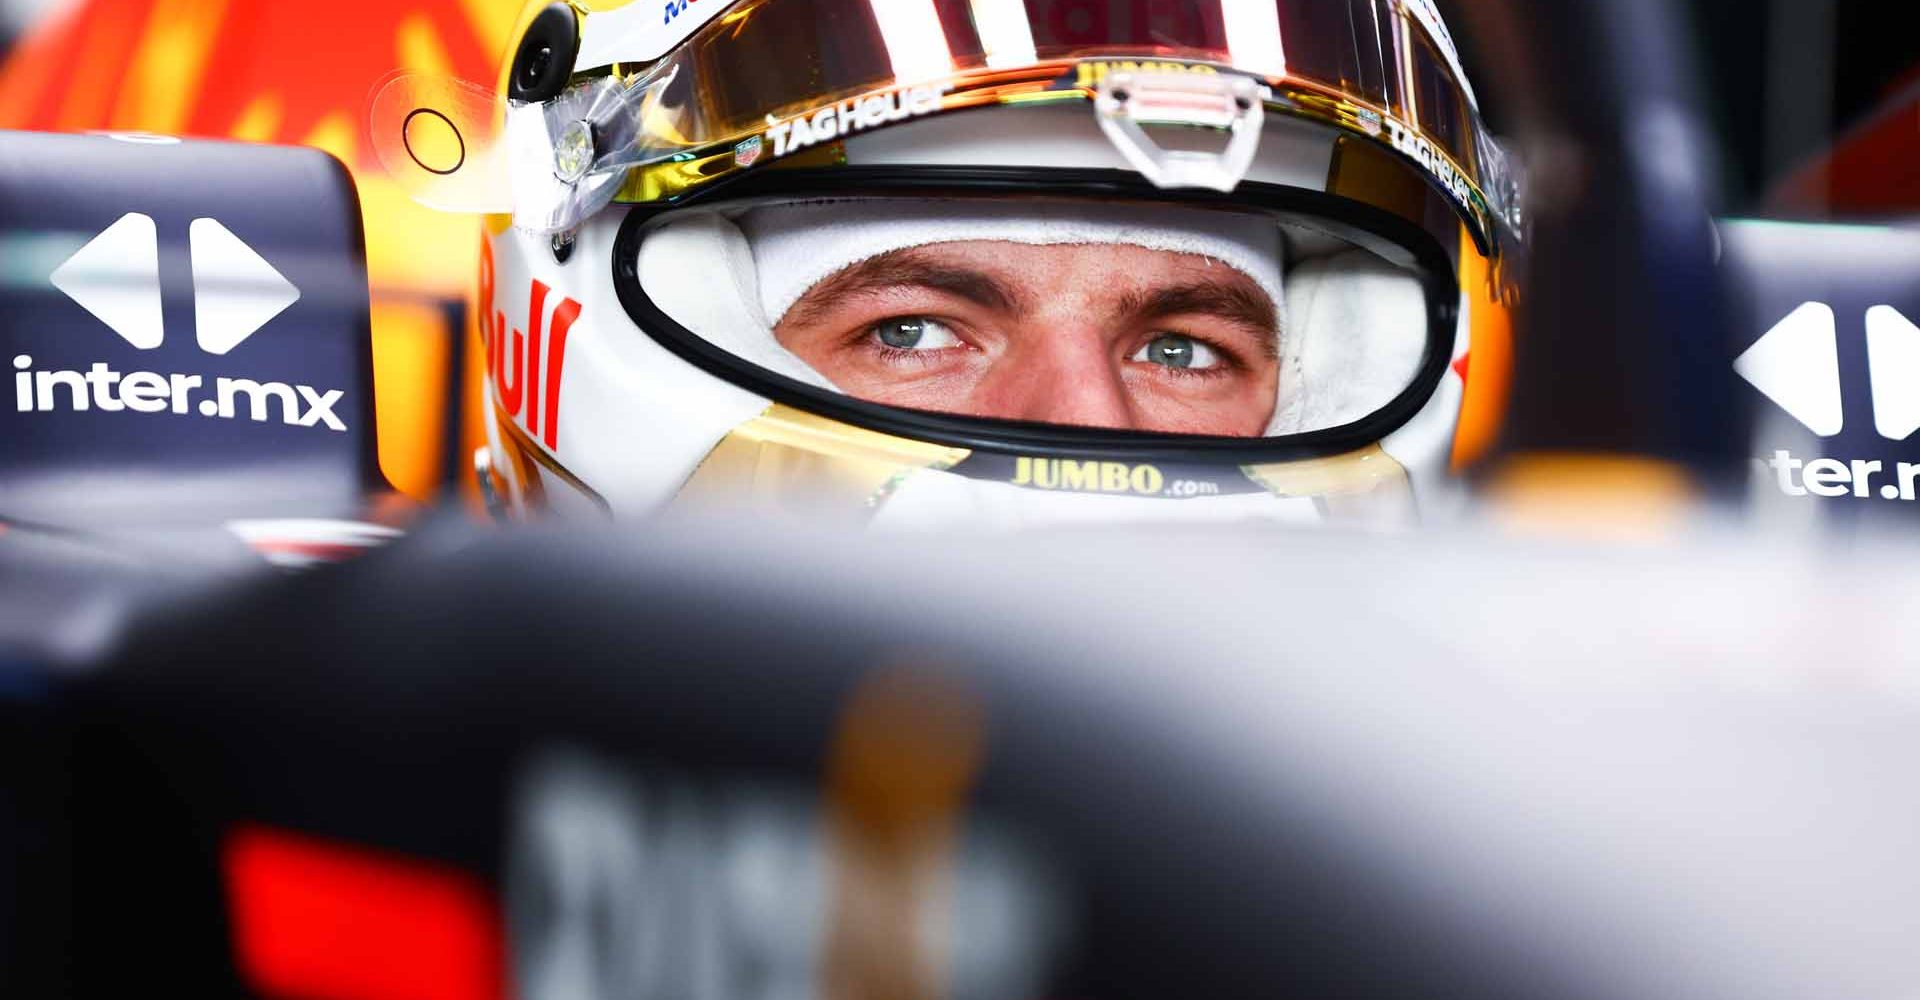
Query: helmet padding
{"points": [[798, 245], [699, 270], [1358, 335]]}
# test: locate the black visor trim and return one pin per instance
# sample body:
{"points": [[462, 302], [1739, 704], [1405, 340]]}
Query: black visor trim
{"points": [[1437, 274]]}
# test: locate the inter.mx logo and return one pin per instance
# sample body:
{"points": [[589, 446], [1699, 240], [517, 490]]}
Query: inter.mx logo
{"points": [[1797, 365], [116, 277]]}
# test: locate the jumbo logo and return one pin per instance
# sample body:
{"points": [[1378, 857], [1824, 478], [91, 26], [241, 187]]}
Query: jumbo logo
{"points": [[1091, 73], [1088, 476], [517, 362]]}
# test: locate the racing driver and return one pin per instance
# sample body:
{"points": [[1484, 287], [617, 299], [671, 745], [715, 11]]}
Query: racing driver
{"points": [[999, 260]]}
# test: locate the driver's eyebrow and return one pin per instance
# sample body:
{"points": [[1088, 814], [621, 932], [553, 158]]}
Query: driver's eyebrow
{"points": [[1231, 301], [903, 269]]}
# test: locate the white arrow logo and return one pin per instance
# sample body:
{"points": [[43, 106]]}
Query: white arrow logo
{"points": [[1893, 362], [1797, 365], [235, 291], [116, 277]]}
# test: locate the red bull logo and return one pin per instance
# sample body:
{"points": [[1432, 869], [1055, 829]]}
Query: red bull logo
{"points": [[525, 368]]}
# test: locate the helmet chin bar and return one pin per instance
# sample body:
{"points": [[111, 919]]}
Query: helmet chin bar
{"points": [[1128, 102]]}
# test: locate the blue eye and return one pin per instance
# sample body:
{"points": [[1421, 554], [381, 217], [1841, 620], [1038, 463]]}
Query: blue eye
{"points": [[914, 333], [1173, 351]]}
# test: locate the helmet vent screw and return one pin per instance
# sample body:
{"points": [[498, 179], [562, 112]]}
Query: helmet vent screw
{"points": [[534, 69]]}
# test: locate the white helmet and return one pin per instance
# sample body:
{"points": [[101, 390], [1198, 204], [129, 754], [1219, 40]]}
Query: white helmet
{"points": [[708, 216]]}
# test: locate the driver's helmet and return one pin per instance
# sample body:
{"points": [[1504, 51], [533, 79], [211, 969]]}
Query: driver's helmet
{"points": [[1000, 260]]}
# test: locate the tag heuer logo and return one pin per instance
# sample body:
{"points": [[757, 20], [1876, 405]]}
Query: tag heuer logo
{"points": [[747, 153]]}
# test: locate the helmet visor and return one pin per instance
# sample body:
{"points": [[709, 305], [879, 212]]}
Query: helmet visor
{"points": [[1385, 67], [734, 87], [780, 58]]}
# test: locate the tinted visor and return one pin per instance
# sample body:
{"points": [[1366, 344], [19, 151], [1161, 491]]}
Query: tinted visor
{"points": [[1382, 67], [658, 117], [780, 57]]}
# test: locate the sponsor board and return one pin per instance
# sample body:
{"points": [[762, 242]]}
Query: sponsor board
{"points": [[1833, 477], [1795, 365], [102, 388], [115, 276]]}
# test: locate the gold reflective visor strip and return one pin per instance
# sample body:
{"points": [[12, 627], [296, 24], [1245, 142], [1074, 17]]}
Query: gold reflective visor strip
{"points": [[788, 459], [526, 454], [1365, 487], [1355, 473], [1367, 172], [699, 165]]}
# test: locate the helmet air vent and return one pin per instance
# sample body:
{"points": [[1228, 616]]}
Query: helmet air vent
{"points": [[544, 61], [1126, 103]]}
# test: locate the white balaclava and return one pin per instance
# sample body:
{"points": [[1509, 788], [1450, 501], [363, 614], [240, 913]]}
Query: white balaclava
{"points": [[797, 246], [1359, 337]]}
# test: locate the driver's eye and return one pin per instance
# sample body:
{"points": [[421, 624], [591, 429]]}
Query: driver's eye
{"points": [[915, 333], [1173, 351]]}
